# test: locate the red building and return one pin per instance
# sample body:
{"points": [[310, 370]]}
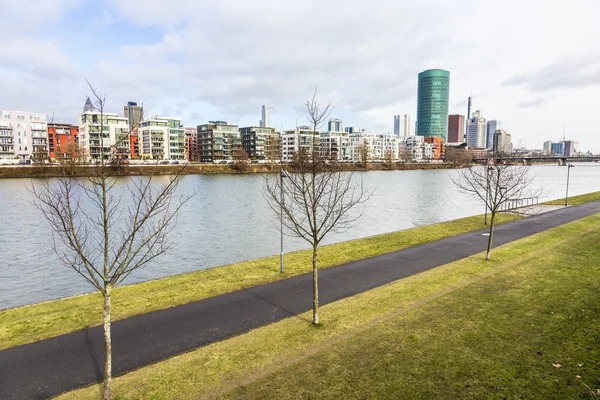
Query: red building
{"points": [[438, 146], [456, 128], [134, 148], [62, 141], [191, 144]]}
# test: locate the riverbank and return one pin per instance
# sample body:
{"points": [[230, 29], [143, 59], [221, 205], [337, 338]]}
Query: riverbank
{"points": [[452, 332], [53, 318], [54, 171]]}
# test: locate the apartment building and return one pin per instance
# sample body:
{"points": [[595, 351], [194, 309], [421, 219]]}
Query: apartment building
{"points": [[62, 141], [191, 143], [335, 145], [415, 148], [29, 132], [162, 138], [261, 143], [104, 135], [217, 141], [378, 146], [293, 141], [7, 141], [437, 147]]}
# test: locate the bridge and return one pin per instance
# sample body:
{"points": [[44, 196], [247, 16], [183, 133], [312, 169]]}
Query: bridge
{"points": [[528, 160]]}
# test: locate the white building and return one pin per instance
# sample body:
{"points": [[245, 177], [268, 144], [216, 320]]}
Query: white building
{"points": [[403, 126], [7, 141], [29, 133], [548, 147], [335, 145], [265, 122], [502, 142], [162, 138], [414, 148], [476, 131], [292, 141], [114, 141], [379, 146]]}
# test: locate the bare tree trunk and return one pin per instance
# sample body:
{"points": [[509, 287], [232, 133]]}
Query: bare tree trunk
{"points": [[107, 345], [315, 287], [489, 247]]}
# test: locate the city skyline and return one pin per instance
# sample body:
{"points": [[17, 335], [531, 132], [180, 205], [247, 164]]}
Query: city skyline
{"points": [[363, 70]]}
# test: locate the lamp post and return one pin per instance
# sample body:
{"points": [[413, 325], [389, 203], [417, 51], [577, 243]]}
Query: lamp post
{"points": [[568, 175], [281, 176]]}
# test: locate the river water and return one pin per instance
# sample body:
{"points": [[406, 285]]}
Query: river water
{"points": [[229, 221]]}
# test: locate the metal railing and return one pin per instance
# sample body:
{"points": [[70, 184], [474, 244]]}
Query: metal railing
{"points": [[513, 204]]}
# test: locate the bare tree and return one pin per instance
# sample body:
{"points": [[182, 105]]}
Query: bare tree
{"points": [[364, 154], [316, 196], [104, 233], [496, 185], [388, 158], [241, 161], [457, 157]]}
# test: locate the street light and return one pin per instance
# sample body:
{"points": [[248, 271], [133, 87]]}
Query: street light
{"points": [[282, 174], [568, 174]]}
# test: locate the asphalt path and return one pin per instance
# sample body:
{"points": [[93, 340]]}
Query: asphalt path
{"points": [[47, 368]]}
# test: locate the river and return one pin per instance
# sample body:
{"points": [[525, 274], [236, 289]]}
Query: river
{"points": [[229, 221]]}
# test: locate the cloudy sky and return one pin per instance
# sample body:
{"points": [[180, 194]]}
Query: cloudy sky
{"points": [[534, 65]]}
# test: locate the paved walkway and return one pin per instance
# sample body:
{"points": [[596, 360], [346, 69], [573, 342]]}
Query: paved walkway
{"points": [[49, 367]]}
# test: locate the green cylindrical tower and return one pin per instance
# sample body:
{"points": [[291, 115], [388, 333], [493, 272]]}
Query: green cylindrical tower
{"points": [[432, 103]]}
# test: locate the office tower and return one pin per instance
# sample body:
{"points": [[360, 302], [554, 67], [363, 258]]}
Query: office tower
{"points": [[88, 106], [335, 125], [547, 147], [402, 126], [558, 148], [432, 103], [492, 126], [570, 148], [476, 131], [469, 109], [265, 122], [501, 142], [133, 113], [456, 128]]}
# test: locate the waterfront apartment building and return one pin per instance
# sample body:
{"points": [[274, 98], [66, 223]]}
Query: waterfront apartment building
{"points": [[162, 138], [301, 138], [7, 141], [191, 143], [492, 127], [29, 133], [62, 141], [456, 128], [378, 146], [217, 141], [476, 131], [414, 148], [335, 145], [432, 103], [261, 143], [103, 136], [437, 147]]}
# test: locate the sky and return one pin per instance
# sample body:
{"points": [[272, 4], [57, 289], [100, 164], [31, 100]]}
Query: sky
{"points": [[533, 65]]}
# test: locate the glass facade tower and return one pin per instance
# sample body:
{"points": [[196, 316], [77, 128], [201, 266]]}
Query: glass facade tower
{"points": [[432, 103]]}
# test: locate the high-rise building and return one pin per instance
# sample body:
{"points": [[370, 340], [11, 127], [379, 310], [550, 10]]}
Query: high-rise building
{"points": [[265, 122], [335, 125], [558, 148], [492, 126], [456, 128], [432, 103], [476, 131], [502, 142], [547, 147], [30, 134], [469, 108], [570, 148], [134, 114], [88, 106], [402, 126]]}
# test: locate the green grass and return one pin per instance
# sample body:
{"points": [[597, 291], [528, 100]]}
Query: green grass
{"points": [[469, 329], [31, 323], [575, 200]]}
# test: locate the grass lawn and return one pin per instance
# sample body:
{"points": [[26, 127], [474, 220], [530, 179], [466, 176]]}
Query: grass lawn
{"points": [[31, 323], [470, 329], [574, 200]]}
